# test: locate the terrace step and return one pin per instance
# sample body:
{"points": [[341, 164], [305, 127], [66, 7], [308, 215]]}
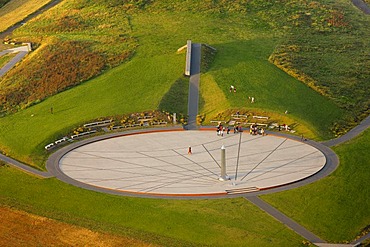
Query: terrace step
{"points": [[242, 190]]}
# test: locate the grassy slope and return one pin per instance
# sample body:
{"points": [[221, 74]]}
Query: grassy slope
{"points": [[223, 222], [16, 10], [28, 131], [244, 65], [337, 207], [243, 51]]}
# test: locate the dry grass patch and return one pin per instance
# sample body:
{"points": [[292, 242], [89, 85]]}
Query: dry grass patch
{"points": [[18, 228]]}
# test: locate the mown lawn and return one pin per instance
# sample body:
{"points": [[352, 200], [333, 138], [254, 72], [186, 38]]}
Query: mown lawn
{"points": [[219, 222], [336, 208], [16, 10]]}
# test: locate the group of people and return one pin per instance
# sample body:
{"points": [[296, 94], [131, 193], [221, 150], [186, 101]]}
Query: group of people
{"points": [[221, 129], [284, 127], [232, 89], [253, 130]]}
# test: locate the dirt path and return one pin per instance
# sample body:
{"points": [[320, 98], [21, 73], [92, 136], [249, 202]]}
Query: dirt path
{"points": [[18, 228]]}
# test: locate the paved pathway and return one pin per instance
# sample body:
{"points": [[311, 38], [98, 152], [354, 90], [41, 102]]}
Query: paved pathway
{"points": [[193, 98], [350, 134], [21, 51], [285, 220], [24, 167]]}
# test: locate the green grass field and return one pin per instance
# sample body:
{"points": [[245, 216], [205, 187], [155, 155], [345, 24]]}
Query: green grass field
{"points": [[337, 207], [223, 222]]}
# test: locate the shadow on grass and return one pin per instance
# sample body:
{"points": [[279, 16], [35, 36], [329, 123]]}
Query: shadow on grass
{"points": [[176, 99], [231, 54]]}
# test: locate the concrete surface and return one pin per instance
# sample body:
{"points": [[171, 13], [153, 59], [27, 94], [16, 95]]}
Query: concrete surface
{"points": [[159, 163]]}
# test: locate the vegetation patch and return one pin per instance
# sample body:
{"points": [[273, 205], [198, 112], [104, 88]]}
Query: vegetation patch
{"points": [[21, 228], [51, 70], [3, 164], [327, 50]]}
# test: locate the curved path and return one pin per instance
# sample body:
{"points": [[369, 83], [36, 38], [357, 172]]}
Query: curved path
{"points": [[350, 134]]}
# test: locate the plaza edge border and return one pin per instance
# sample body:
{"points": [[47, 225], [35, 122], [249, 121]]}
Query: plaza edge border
{"points": [[52, 166]]}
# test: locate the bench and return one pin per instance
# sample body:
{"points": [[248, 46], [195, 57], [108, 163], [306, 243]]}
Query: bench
{"points": [[260, 117], [97, 124], [239, 115], [49, 146], [83, 134], [218, 121], [61, 140], [159, 123], [258, 124]]}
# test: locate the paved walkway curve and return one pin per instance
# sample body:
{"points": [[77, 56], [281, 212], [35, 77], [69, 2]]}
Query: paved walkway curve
{"points": [[350, 134], [21, 51], [24, 167]]}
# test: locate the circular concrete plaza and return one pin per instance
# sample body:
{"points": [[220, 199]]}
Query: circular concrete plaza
{"points": [[158, 163]]}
